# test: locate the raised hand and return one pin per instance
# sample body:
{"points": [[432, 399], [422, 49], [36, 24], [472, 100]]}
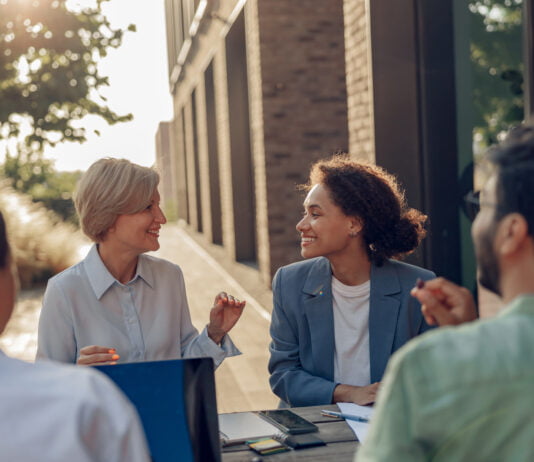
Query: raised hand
{"points": [[445, 303], [225, 312]]}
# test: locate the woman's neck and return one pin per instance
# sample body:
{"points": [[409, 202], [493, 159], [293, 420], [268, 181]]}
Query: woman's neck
{"points": [[121, 265], [351, 270]]}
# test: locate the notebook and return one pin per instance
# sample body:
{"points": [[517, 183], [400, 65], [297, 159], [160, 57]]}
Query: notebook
{"points": [[176, 402], [238, 427]]}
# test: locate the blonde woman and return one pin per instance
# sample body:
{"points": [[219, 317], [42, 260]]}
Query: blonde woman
{"points": [[118, 304]]}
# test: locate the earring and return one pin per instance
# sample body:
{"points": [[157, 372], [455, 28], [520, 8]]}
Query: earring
{"points": [[353, 234]]}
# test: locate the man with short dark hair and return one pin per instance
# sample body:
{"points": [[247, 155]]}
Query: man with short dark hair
{"points": [[466, 393], [51, 412]]}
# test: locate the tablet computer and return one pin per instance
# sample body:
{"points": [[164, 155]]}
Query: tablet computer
{"points": [[176, 402]]}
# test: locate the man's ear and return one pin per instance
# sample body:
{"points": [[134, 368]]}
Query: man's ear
{"points": [[511, 234]]}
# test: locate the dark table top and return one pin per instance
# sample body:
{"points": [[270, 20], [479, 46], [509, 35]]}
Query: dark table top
{"points": [[340, 439]]}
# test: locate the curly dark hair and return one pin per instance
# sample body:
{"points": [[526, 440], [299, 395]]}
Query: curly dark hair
{"points": [[390, 228]]}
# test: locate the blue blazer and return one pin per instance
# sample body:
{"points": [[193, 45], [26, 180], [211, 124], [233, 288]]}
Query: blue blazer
{"points": [[302, 326]]}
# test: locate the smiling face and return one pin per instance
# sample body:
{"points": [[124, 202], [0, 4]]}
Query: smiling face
{"points": [[324, 229], [138, 232]]}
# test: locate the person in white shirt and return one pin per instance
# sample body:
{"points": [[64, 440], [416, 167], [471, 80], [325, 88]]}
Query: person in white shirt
{"points": [[340, 314], [55, 412], [119, 305]]}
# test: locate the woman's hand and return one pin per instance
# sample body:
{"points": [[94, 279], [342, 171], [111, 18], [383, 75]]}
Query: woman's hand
{"points": [[95, 354], [225, 313], [359, 395]]}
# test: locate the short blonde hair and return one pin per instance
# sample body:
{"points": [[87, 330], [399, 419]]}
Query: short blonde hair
{"points": [[109, 188]]}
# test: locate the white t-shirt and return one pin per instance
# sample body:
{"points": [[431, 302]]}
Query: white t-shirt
{"points": [[351, 333]]}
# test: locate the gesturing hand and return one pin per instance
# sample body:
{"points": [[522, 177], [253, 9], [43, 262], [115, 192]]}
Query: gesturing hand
{"points": [[225, 313], [95, 354], [445, 303]]}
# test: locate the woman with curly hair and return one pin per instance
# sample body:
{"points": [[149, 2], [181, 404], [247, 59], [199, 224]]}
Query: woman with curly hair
{"points": [[341, 313]]}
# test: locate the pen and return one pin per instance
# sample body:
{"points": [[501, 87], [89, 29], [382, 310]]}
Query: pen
{"points": [[357, 418]]}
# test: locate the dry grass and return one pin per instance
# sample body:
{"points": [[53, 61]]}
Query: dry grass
{"points": [[42, 243]]}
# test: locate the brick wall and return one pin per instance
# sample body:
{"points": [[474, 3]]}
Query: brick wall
{"points": [[163, 157], [359, 89], [298, 113], [190, 162], [203, 160], [257, 138], [190, 184], [304, 106], [224, 149], [178, 167]]}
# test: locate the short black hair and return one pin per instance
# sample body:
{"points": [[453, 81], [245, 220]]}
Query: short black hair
{"points": [[4, 245], [514, 159]]}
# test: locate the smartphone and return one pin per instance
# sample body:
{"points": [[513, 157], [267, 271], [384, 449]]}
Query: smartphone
{"points": [[303, 441], [288, 421]]}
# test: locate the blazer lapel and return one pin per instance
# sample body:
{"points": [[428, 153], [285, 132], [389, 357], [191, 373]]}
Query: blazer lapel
{"points": [[318, 311], [383, 315]]}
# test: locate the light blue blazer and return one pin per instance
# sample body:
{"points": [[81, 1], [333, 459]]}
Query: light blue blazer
{"points": [[302, 326]]}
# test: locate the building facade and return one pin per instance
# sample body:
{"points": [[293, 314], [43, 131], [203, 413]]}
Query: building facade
{"points": [[262, 88]]}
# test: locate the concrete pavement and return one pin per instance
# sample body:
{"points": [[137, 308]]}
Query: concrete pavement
{"points": [[242, 381]]}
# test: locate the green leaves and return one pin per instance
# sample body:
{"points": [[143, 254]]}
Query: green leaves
{"points": [[48, 70], [497, 67]]}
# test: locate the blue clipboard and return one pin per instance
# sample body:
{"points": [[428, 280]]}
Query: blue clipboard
{"points": [[176, 402]]}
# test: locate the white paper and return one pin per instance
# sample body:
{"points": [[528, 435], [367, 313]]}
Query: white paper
{"points": [[359, 428]]}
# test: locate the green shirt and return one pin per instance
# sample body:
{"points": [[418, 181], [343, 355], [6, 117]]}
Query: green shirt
{"points": [[460, 393]]}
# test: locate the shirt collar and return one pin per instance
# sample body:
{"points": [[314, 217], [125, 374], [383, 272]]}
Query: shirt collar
{"points": [[523, 303], [144, 270], [101, 279]]}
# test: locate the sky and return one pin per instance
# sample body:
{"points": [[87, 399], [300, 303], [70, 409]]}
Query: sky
{"points": [[138, 77]]}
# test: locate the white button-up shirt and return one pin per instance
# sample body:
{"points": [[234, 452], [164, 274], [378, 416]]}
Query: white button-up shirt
{"points": [[146, 319], [53, 412]]}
